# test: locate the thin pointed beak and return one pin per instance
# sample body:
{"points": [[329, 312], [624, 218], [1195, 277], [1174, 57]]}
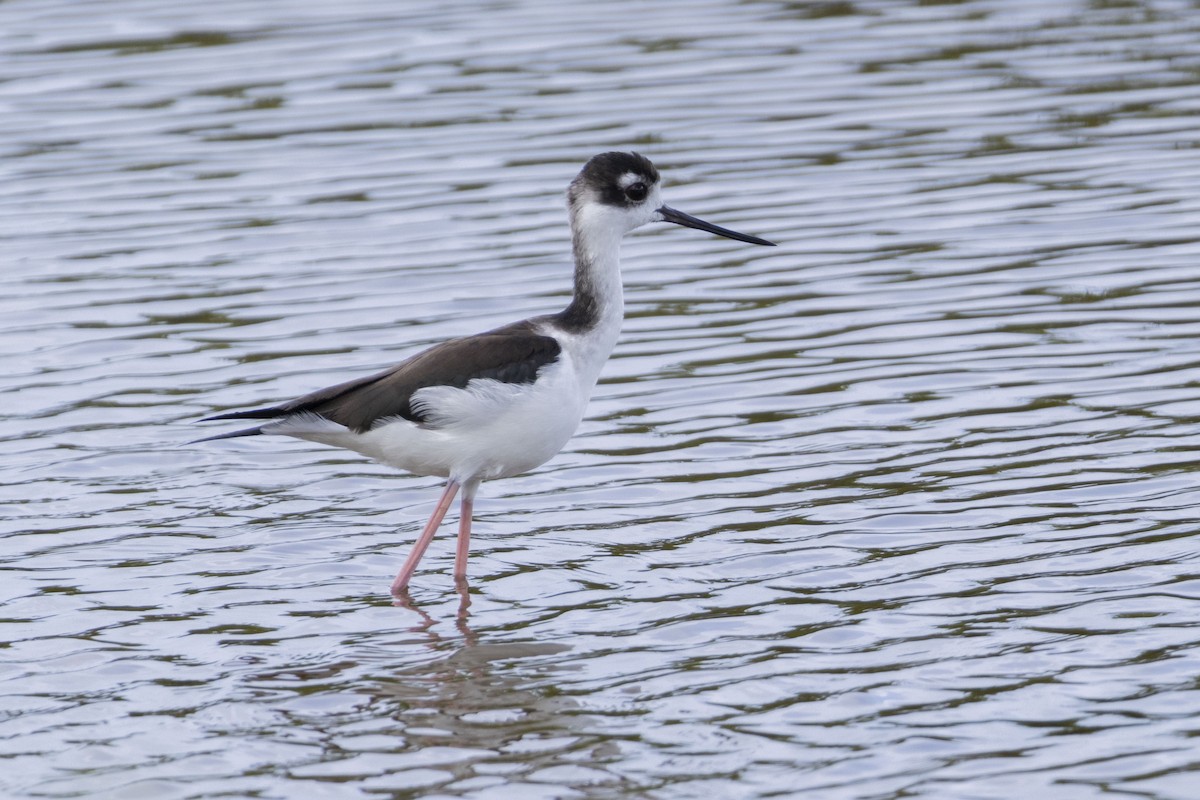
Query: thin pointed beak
{"points": [[688, 221]]}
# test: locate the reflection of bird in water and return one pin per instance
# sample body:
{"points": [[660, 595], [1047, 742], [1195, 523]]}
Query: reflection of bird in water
{"points": [[460, 619], [432, 705], [503, 402], [490, 702]]}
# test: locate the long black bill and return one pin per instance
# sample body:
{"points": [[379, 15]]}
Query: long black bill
{"points": [[688, 221]]}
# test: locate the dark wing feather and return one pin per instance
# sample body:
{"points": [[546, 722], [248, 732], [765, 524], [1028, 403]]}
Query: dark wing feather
{"points": [[512, 354]]}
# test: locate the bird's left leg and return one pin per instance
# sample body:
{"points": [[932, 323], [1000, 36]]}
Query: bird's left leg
{"points": [[410, 565]]}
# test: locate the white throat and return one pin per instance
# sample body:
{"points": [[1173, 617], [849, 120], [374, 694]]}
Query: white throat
{"points": [[596, 238]]}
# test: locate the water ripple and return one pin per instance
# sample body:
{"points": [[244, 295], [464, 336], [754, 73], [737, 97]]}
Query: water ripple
{"points": [[901, 508]]}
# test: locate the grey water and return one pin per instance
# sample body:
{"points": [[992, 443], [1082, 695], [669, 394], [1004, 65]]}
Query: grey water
{"points": [[907, 506]]}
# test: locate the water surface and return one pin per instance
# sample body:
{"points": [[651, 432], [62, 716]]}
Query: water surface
{"points": [[904, 507]]}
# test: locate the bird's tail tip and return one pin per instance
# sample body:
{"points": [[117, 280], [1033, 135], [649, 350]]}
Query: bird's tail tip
{"points": [[231, 435], [254, 413]]}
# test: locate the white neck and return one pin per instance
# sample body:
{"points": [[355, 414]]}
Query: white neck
{"points": [[598, 306]]}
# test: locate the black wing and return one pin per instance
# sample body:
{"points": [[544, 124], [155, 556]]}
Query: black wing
{"points": [[512, 354]]}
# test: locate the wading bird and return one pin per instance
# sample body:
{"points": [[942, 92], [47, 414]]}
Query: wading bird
{"points": [[502, 402]]}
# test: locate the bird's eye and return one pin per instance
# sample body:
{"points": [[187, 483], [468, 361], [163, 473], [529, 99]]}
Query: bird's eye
{"points": [[636, 191]]}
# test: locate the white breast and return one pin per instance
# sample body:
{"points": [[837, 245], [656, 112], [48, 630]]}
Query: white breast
{"points": [[489, 429]]}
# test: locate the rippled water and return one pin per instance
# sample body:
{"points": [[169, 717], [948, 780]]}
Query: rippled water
{"points": [[905, 507]]}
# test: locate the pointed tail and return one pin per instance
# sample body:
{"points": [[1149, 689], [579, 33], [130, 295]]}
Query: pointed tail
{"points": [[232, 435], [257, 413]]}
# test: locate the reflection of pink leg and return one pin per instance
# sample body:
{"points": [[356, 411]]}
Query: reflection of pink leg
{"points": [[410, 566], [464, 533]]}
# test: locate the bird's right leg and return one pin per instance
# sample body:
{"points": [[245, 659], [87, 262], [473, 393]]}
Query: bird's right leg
{"points": [[464, 531]]}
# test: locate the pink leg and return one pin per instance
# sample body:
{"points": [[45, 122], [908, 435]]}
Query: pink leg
{"points": [[410, 566], [464, 533]]}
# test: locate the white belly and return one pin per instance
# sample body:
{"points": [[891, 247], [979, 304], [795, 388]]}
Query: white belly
{"points": [[488, 430]]}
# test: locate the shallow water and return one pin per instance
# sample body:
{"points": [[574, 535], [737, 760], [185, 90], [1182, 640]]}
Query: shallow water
{"points": [[904, 507]]}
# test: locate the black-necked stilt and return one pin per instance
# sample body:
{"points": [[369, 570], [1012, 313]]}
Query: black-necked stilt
{"points": [[502, 402]]}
